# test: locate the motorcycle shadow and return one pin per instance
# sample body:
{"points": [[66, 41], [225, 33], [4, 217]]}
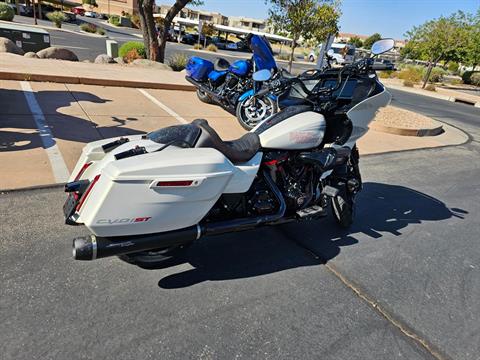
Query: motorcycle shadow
{"points": [[381, 209]]}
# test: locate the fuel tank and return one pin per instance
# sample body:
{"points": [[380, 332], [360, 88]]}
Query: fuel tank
{"points": [[292, 130]]}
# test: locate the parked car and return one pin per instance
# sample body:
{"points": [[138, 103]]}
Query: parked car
{"points": [[91, 14], [47, 9], [342, 54], [70, 17], [224, 44], [79, 11], [192, 39]]}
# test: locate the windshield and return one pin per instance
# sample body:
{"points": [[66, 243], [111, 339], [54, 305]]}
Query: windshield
{"points": [[262, 53]]}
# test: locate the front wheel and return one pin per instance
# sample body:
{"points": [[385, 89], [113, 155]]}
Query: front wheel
{"points": [[253, 110], [204, 97]]}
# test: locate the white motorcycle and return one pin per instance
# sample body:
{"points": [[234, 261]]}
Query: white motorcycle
{"points": [[146, 197]]}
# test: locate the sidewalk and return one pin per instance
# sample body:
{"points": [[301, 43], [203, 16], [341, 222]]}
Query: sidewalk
{"points": [[15, 67], [440, 93], [76, 114]]}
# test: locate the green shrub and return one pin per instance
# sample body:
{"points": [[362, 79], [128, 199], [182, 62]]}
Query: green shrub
{"points": [[130, 45], [453, 67], [212, 47], [430, 87], [198, 46], [437, 75], [475, 79], [386, 74], [57, 17], [135, 19], [467, 76], [114, 20], [408, 83], [178, 62], [101, 31], [412, 73], [88, 27], [283, 56], [6, 12]]}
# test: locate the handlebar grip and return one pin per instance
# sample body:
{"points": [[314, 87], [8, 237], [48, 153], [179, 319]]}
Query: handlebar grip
{"points": [[380, 67]]}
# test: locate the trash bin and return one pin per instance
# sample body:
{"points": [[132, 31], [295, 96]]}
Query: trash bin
{"points": [[25, 37]]}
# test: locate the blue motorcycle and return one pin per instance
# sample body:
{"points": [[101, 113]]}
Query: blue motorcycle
{"points": [[228, 85]]}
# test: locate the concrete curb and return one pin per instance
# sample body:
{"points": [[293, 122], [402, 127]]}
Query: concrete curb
{"points": [[458, 98], [6, 75], [407, 131]]}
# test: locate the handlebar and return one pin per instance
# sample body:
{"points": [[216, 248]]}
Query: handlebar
{"points": [[380, 67]]}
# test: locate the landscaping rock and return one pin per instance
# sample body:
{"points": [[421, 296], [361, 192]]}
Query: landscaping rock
{"points": [[31, 54], [119, 60], [8, 46], [57, 53], [151, 64], [104, 59]]}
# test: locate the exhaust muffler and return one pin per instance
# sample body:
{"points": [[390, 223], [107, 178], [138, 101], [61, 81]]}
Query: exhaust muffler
{"points": [[95, 247]]}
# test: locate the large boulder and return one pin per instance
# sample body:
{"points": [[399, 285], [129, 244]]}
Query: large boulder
{"points": [[8, 46], [31, 55], [151, 64], [57, 53], [104, 59]]}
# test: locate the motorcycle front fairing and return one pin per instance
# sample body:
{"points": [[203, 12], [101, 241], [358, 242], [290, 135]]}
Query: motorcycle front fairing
{"points": [[262, 53], [158, 191]]}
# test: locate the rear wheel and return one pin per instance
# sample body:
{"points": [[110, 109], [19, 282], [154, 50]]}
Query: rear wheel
{"points": [[204, 97], [253, 110]]}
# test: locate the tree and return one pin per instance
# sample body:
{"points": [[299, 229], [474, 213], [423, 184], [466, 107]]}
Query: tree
{"points": [[355, 40], [155, 43], [472, 49], [91, 3], [442, 39], [367, 44], [207, 30], [304, 19]]}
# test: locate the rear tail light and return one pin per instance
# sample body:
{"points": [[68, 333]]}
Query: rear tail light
{"points": [[175, 183], [87, 192], [82, 170]]}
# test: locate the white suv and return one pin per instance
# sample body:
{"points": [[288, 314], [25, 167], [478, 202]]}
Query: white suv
{"points": [[342, 54]]}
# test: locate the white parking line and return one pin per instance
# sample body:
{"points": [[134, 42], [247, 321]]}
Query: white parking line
{"points": [[59, 168], [163, 106]]}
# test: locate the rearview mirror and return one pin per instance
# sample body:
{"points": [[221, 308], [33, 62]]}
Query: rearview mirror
{"points": [[382, 46], [262, 75]]}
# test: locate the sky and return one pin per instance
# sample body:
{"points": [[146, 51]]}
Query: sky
{"points": [[390, 18]]}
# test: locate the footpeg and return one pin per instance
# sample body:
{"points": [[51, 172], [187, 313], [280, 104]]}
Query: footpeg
{"points": [[330, 191], [312, 212]]}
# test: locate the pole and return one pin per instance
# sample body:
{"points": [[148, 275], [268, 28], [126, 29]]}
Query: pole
{"points": [[34, 13], [108, 8]]}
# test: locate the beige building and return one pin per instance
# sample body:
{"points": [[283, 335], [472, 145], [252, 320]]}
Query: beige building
{"points": [[248, 23], [115, 7], [196, 15]]}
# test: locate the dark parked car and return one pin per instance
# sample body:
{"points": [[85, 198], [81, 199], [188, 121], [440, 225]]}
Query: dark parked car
{"points": [[70, 17], [192, 39], [222, 44]]}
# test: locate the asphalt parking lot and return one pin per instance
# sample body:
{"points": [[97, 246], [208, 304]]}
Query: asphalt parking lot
{"points": [[402, 283]]}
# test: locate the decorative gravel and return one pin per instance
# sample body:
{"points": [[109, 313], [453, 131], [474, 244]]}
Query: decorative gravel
{"points": [[404, 119]]}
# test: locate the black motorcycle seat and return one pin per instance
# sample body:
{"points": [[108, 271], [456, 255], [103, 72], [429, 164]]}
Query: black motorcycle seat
{"points": [[237, 151], [221, 64]]}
